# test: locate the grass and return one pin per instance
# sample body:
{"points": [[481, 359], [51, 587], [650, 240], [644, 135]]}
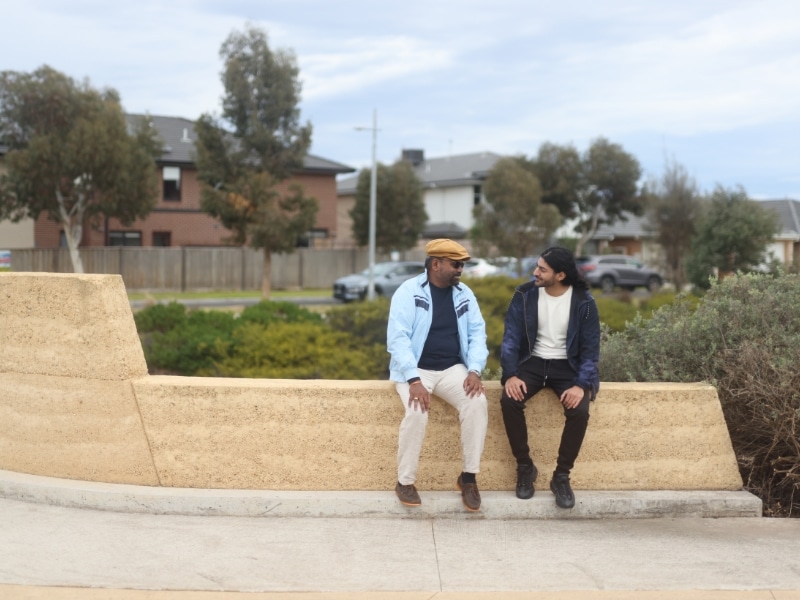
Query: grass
{"points": [[275, 295]]}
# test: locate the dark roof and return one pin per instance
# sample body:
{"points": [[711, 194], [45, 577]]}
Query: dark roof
{"points": [[454, 231], [179, 137], [450, 171], [788, 213], [635, 227]]}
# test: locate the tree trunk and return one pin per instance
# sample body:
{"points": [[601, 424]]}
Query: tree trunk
{"points": [[266, 274], [586, 234], [72, 233]]}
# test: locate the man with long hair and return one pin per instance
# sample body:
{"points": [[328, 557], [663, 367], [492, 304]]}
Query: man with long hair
{"points": [[551, 339]]}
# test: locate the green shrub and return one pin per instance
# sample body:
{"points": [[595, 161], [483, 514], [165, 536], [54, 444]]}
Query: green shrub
{"points": [[365, 321], [160, 317], [267, 312], [494, 294], [191, 345], [743, 337], [298, 350]]}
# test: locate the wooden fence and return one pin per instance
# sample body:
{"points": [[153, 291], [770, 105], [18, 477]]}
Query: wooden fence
{"points": [[187, 269]]}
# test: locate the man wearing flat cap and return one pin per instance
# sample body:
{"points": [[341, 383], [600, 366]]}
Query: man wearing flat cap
{"points": [[437, 341]]}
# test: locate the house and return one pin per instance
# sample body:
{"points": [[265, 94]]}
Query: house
{"points": [[14, 235], [634, 238], [786, 245], [177, 219], [452, 186]]}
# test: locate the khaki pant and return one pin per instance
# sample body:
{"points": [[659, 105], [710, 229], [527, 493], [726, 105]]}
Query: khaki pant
{"points": [[472, 414]]}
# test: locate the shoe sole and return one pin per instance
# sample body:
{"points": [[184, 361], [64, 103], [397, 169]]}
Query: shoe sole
{"points": [[410, 503], [523, 497], [463, 501]]}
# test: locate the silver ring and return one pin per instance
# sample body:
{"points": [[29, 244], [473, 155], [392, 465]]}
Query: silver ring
{"points": [[415, 398]]}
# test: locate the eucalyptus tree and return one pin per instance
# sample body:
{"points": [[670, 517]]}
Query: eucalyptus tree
{"points": [[514, 219], [256, 144], [72, 156]]}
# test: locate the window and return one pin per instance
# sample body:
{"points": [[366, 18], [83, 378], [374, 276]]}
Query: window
{"points": [[307, 240], [124, 238], [162, 239], [172, 183], [477, 195]]}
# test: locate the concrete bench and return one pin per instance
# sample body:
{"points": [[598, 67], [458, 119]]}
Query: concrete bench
{"points": [[76, 402]]}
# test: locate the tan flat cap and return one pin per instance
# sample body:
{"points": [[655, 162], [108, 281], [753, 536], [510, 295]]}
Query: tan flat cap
{"points": [[445, 248]]}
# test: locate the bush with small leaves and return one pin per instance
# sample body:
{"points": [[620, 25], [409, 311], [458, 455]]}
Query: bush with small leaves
{"points": [[743, 337], [298, 350]]}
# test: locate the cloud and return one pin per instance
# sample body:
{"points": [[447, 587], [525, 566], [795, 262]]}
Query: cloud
{"points": [[365, 63]]}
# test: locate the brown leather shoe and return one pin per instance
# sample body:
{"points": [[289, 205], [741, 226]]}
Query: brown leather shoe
{"points": [[469, 494], [408, 494]]}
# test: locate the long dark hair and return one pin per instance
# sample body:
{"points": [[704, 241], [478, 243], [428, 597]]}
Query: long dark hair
{"points": [[561, 260]]}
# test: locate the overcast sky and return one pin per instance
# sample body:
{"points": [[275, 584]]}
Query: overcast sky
{"points": [[712, 84]]}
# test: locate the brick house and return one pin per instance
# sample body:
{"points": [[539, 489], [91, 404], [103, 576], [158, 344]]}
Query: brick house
{"points": [[177, 219]]}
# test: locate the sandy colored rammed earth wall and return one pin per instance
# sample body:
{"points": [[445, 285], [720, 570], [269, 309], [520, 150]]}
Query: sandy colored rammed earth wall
{"points": [[76, 402]]}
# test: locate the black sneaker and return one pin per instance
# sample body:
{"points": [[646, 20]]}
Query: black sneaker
{"points": [[560, 487], [526, 476]]}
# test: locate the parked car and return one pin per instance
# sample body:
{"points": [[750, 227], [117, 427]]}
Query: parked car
{"points": [[509, 266], [479, 267], [387, 276], [608, 271]]}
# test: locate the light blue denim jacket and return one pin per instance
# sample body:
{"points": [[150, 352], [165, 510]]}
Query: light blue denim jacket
{"points": [[410, 318]]}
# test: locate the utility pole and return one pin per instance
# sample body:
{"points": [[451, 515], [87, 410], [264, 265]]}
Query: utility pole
{"points": [[373, 190]]}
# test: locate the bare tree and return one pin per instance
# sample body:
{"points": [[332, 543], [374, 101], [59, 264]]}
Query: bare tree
{"points": [[673, 209]]}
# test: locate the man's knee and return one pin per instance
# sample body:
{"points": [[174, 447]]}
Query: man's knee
{"points": [[415, 418], [580, 413], [509, 405]]}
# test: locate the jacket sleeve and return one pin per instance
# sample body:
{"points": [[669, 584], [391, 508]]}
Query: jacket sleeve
{"points": [[398, 333], [588, 377], [513, 336], [477, 351]]}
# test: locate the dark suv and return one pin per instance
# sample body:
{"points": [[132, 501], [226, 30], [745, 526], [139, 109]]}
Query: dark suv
{"points": [[607, 271]]}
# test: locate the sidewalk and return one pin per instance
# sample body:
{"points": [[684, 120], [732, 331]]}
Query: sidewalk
{"points": [[49, 551]]}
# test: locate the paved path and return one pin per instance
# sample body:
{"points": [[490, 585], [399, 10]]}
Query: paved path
{"points": [[43, 547]]}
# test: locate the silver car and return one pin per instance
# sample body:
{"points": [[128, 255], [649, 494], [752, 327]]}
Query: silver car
{"points": [[388, 277], [608, 271]]}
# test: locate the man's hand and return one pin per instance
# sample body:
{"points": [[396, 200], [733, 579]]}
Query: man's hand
{"points": [[516, 388], [473, 385], [418, 395], [573, 396]]}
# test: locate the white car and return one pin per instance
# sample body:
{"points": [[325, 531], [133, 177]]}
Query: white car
{"points": [[479, 267]]}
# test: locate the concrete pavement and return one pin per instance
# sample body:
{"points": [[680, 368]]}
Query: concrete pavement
{"points": [[60, 552]]}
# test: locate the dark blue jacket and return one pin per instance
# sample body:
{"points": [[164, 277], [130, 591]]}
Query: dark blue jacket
{"points": [[583, 335]]}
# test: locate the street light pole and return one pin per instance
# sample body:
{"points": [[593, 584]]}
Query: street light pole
{"points": [[373, 191]]}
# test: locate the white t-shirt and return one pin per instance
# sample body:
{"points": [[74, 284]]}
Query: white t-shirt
{"points": [[551, 338]]}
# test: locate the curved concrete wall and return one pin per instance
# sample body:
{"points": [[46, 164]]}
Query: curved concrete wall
{"points": [[76, 402]]}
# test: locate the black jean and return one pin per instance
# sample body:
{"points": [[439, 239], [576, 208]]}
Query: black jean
{"points": [[538, 373]]}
